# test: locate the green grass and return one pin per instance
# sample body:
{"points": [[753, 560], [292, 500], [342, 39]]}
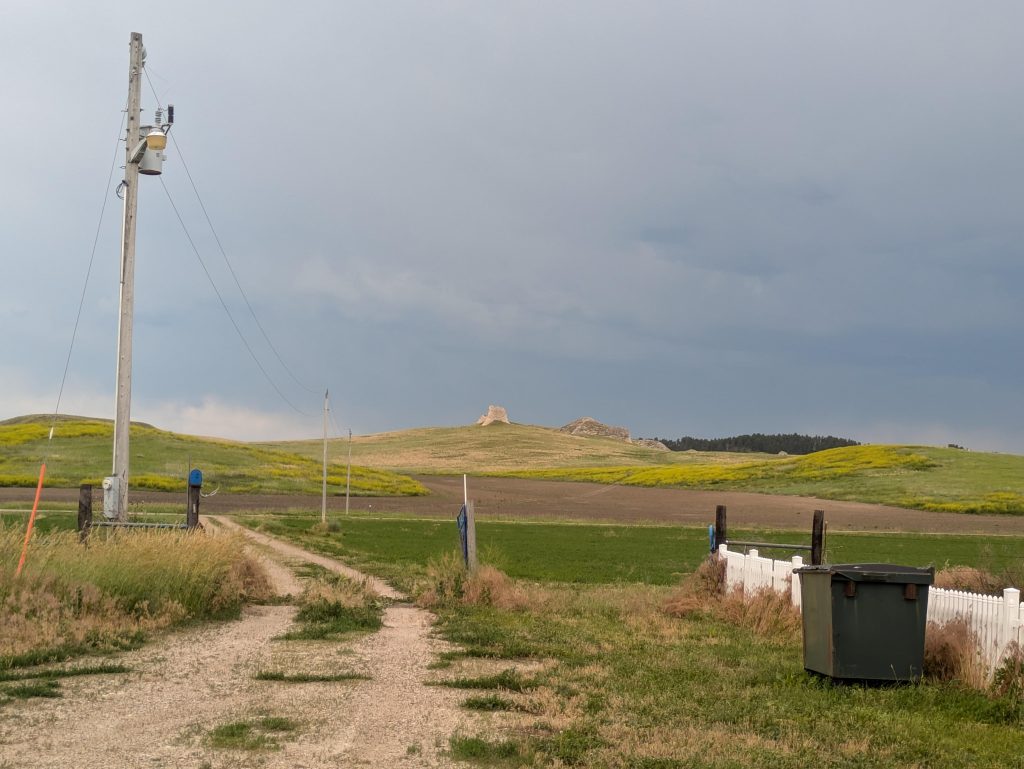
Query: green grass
{"points": [[80, 453], [253, 734], [399, 549], [637, 688], [626, 685], [486, 752]]}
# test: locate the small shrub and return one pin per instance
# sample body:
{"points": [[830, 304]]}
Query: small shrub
{"points": [[968, 579], [445, 581], [951, 654], [488, 586], [1008, 681], [766, 612], [698, 590]]}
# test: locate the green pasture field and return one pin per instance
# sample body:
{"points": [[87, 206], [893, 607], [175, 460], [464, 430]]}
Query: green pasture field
{"points": [[400, 548], [80, 453], [623, 684]]}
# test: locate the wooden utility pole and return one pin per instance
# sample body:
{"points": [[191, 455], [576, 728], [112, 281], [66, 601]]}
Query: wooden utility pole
{"points": [[123, 398], [323, 504], [348, 472]]}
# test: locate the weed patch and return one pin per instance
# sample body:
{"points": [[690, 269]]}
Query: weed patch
{"points": [[254, 734], [331, 606]]}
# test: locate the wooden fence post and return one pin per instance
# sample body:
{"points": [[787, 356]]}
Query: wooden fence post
{"points": [[817, 537], [192, 515], [720, 533], [84, 511]]}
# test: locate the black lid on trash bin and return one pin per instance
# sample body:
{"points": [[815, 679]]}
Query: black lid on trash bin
{"points": [[873, 572]]}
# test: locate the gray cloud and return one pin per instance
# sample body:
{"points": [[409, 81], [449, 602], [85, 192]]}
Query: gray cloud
{"points": [[683, 217]]}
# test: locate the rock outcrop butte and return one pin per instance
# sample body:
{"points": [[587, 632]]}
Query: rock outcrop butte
{"points": [[494, 414], [590, 428]]}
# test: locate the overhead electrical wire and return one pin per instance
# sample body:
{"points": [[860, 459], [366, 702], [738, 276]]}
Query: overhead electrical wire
{"points": [[224, 254], [224, 304], [88, 274]]}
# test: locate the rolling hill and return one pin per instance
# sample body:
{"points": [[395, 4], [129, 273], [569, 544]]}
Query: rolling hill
{"points": [[922, 477]]}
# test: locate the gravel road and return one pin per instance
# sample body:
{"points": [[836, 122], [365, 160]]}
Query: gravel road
{"points": [[193, 680]]}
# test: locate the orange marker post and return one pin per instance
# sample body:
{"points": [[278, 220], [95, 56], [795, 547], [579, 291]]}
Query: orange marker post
{"points": [[31, 519]]}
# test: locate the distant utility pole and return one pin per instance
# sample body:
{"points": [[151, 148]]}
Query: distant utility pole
{"points": [[143, 154], [323, 505], [348, 473], [123, 397]]}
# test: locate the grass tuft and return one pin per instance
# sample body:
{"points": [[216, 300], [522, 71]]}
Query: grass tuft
{"points": [[304, 678], [508, 680], [32, 689], [253, 734]]}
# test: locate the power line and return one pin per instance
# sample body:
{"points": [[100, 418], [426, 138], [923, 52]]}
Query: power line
{"points": [[88, 273], [224, 254], [223, 304]]}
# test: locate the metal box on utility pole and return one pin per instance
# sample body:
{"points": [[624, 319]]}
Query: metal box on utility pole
{"points": [[111, 496]]}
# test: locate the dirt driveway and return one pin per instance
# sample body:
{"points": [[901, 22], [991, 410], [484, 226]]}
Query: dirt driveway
{"points": [[189, 682], [518, 498]]}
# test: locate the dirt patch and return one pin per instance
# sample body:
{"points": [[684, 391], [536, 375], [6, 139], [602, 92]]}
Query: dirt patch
{"points": [[514, 498]]}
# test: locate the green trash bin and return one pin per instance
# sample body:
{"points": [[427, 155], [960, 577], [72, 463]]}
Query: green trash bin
{"points": [[865, 621]]}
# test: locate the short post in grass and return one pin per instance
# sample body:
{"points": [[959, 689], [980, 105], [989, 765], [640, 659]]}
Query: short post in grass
{"points": [[817, 537], [84, 511], [195, 485], [720, 533]]}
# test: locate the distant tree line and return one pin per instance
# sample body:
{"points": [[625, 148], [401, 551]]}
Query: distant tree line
{"points": [[758, 442]]}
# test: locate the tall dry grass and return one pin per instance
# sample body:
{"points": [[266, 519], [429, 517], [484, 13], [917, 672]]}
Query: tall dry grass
{"points": [[449, 583], [765, 612], [951, 654], [73, 598]]}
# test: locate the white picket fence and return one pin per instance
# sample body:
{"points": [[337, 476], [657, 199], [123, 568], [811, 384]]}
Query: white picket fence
{"points": [[996, 621]]}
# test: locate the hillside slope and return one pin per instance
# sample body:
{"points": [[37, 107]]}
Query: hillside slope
{"points": [[500, 447], [922, 477], [81, 449]]}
